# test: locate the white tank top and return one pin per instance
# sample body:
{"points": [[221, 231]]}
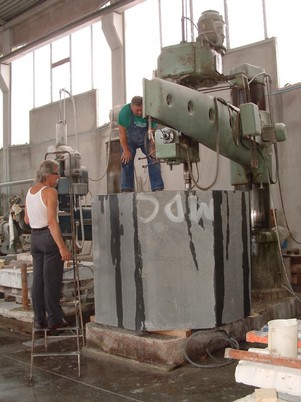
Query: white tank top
{"points": [[36, 210]]}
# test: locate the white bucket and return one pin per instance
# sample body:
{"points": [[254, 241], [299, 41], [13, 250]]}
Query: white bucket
{"points": [[283, 338]]}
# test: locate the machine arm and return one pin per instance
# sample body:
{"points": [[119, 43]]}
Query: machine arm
{"points": [[211, 121]]}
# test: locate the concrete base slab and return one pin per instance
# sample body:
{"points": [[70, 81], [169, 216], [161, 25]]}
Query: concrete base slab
{"points": [[152, 349], [168, 351], [98, 355]]}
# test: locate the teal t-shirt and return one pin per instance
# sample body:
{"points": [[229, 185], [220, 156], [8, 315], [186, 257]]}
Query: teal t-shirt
{"points": [[125, 118]]}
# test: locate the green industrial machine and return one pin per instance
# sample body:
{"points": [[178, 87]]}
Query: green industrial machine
{"points": [[242, 130]]}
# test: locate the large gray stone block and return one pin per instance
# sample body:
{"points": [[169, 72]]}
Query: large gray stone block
{"points": [[171, 260]]}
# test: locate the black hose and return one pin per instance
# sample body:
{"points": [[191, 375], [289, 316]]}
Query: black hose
{"points": [[221, 335]]}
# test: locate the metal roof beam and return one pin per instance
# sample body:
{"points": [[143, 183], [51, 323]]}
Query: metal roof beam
{"points": [[67, 25]]}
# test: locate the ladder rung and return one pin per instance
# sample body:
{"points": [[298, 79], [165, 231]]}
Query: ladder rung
{"points": [[57, 329], [63, 336], [41, 354]]}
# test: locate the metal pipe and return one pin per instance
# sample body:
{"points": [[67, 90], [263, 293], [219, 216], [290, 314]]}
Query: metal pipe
{"points": [[227, 24], [186, 21], [191, 20], [160, 23], [264, 20], [13, 183], [182, 23]]}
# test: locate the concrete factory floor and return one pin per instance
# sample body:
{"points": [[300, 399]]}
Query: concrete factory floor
{"points": [[105, 378], [110, 378]]}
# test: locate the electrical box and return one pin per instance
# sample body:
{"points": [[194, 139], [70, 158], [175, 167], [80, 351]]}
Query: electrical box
{"points": [[250, 119]]}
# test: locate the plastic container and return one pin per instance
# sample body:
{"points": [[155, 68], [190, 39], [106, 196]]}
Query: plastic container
{"points": [[283, 338]]}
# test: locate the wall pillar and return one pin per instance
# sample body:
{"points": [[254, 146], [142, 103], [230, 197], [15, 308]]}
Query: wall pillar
{"points": [[5, 88], [112, 25]]}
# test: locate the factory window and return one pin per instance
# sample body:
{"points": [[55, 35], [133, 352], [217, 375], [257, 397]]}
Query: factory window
{"points": [[245, 30], [102, 73], [283, 19], [77, 63], [22, 98], [42, 74], [60, 49], [81, 55], [60, 80], [142, 44], [60, 67]]}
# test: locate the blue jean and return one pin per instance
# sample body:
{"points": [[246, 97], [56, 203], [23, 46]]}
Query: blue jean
{"points": [[127, 169], [48, 270]]}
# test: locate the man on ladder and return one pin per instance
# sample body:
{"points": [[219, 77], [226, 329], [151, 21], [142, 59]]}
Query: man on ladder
{"points": [[47, 248]]}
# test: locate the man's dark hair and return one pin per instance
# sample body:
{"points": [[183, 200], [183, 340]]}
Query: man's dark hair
{"points": [[136, 101]]}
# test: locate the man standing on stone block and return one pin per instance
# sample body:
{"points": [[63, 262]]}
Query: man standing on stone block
{"points": [[133, 134]]}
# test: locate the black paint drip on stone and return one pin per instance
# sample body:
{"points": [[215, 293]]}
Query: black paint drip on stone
{"points": [[245, 256], [140, 307], [188, 223], [102, 201], [228, 226], [219, 277], [116, 232]]}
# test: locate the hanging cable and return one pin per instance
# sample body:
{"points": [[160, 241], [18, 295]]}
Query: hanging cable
{"points": [[288, 287], [284, 214], [269, 91], [62, 113], [217, 154], [108, 150], [81, 224], [108, 160]]}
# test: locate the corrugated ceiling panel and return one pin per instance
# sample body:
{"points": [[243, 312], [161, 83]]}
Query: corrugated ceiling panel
{"points": [[9, 9]]}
